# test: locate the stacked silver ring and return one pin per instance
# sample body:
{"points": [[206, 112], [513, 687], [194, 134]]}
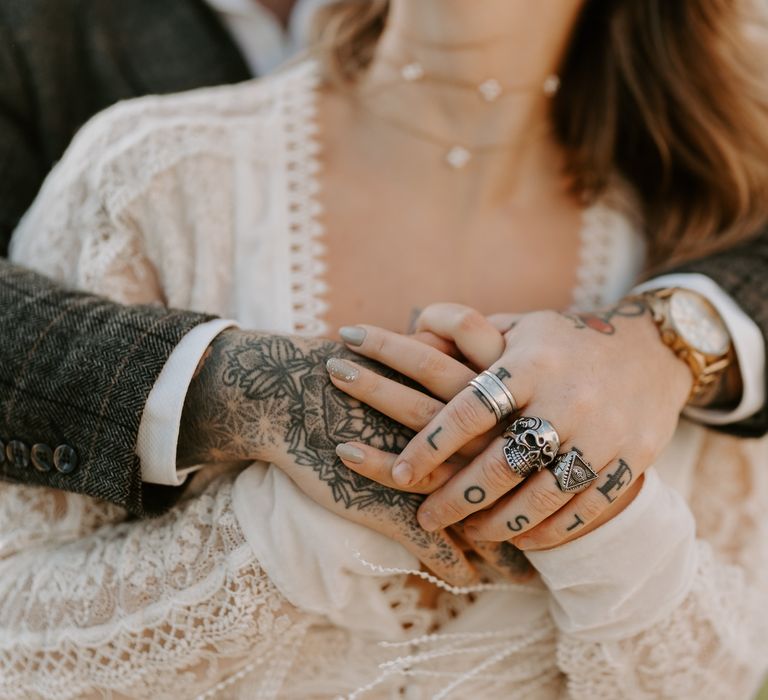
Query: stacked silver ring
{"points": [[494, 394], [532, 443], [572, 472]]}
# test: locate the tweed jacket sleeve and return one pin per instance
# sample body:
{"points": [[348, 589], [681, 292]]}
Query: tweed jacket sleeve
{"points": [[75, 369], [75, 372]]}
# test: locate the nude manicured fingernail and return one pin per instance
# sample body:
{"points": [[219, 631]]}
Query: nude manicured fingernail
{"points": [[427, 521], [342, 370], [354, 335], [349, 453], [402, 474]]}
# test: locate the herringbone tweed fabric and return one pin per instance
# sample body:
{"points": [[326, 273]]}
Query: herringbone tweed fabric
{"points": [[76, 369]]}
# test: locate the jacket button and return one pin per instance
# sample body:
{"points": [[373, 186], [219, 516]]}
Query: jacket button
{"points": [[42, 457], [18, 454], [65, 459]]}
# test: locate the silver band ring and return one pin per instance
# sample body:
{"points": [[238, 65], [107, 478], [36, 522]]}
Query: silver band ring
{"points": [[532, 443], [494, 394], [572, 472]]}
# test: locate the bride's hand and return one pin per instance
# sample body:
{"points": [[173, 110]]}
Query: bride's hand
{"points": [[605, 381]]}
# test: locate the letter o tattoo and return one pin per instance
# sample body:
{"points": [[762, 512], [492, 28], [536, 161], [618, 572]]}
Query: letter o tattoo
{"points": [[474, 494]]}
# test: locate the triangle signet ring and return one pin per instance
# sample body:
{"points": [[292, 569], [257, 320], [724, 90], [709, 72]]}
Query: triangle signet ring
{"points": [[572, 471]]}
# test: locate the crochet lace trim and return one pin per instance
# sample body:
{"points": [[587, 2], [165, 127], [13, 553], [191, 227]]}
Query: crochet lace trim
{"points": [[305, 227], [594, 258]]}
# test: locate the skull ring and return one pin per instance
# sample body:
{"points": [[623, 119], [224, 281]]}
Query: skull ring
{"points": [[532, 444]]}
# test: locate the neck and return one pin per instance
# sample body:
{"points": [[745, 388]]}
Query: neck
{"points": [[516, 42], [510, 38]]}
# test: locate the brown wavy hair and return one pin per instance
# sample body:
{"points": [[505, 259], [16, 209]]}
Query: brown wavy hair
{"points": [[668, 95]]}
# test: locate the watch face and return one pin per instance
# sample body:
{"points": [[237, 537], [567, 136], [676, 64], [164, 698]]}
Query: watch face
{"points": [[698, 323]]}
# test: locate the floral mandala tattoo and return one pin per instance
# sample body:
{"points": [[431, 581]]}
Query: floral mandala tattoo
{"points": [[318, 415]]}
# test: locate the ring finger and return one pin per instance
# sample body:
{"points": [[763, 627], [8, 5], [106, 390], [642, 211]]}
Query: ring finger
{"points": [[529, 443], [477, 486], [533, 502], [587, 510]]}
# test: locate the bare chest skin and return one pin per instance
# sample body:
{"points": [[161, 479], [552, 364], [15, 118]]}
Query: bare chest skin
{"points": [[404, 231]]}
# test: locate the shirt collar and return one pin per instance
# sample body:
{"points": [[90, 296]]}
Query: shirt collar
{"points": [[258, 33], [298, 24]]}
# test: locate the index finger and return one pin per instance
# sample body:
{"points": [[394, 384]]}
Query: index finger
{"points": [[468, 415]]}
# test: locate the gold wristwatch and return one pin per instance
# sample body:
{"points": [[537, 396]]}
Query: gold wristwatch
{"points": [[693, 329]]}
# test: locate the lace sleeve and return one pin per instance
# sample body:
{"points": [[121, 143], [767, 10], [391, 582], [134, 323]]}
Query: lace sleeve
{"points": [[77, 231], [157, 608], [715, 643], [93, 604]]}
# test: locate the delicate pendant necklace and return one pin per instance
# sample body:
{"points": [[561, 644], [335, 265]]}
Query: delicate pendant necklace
{"points": [[489, 89], [457, 155]]}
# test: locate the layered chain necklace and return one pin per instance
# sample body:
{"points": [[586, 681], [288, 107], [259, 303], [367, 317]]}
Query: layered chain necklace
{"points": [[489, 90]]}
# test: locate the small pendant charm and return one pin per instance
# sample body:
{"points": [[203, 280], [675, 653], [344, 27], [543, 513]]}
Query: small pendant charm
{"points": [[490, 90], [551, 85], [412, 72], [458, 157]]}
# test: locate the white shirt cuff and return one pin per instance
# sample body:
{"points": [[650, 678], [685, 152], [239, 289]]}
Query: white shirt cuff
{"points": [[159, 428], [748, 343], [629, 573]]}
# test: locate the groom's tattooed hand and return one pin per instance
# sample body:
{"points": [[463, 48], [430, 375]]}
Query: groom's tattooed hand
{"points": [[266, 397], [277, 393]]}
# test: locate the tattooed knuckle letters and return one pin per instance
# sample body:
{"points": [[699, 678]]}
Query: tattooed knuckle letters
{"points": [[517, 523], [617, 479], [474, 494], [432, 437], [575, 524]]}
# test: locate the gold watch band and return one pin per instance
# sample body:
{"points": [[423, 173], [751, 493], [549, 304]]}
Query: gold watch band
{"points": [[708, 370]]}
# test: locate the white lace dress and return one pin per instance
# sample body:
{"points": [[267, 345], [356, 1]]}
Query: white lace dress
{"points": [[206, 201]]}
